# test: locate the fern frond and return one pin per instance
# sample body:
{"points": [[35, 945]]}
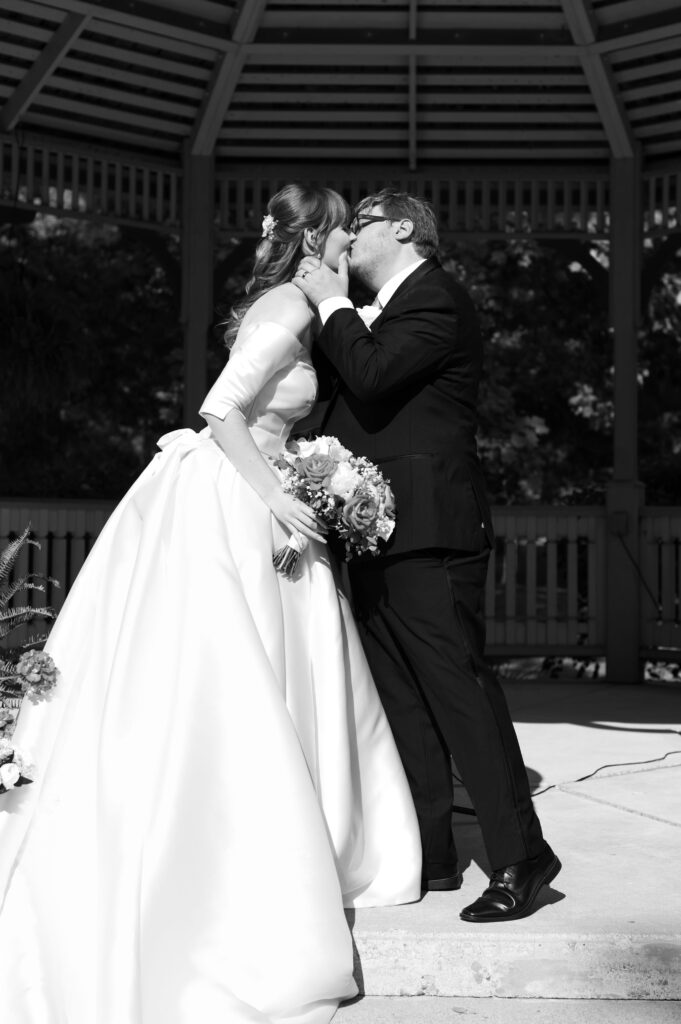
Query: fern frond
{"points": [[14, 617], [9, 554], [25, 583], [35, 641]]}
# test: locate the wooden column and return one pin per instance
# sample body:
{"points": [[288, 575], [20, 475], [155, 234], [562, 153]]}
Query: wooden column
{"points": [[198, 212], [625, 495]]}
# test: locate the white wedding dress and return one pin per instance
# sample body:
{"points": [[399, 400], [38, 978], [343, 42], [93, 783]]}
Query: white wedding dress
{"points": [[217, 776]]}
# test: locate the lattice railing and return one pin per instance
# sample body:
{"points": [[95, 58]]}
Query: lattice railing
{"points": [[661, 202], [58, 180], [545, 588], [661, 569], [478, 205], [65, 180], [546, 583]]}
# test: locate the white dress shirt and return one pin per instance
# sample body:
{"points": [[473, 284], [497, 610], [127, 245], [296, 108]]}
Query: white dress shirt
{"points": [[369, 313]]}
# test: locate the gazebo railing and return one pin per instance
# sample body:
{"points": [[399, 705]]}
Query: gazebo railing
{"points": [[546, 587], [546, 582], [55, 177], [661, 573]]}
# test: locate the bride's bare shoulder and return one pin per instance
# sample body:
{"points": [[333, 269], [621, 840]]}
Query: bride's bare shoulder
{"points": [[285, 305]]}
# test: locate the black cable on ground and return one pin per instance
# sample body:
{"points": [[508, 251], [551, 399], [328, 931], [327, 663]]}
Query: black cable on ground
{"points": [[583, 778]]}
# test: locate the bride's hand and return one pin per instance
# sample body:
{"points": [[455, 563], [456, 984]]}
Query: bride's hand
{"points": [[295, 516]]}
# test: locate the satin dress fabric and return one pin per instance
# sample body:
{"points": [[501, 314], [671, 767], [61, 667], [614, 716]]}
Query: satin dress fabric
{"points": [[217, 775]]}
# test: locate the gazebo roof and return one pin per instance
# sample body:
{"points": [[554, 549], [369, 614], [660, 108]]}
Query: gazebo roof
{"points": [[411, 84]]}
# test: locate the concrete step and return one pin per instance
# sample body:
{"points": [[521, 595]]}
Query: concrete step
{"points": [[609, 927], [432, 1010]]}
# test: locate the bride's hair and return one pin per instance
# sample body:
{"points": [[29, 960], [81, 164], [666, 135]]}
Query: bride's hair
{"points": [[293, 209]]}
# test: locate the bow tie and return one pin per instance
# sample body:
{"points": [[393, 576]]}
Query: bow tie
{"points": [[369, 313]]}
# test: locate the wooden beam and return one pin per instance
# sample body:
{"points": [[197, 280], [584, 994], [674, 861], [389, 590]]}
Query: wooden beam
{"points": [[625, 495], [610, 106], [581, 21], [369, 54], [413, 87], [625, 273], [619, 44], [156, 19], [197, 277], [224, 81], [582, 25], [516, 112], [33, 81]]}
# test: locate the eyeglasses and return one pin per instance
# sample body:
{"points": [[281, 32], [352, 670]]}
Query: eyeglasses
{"points": [[365, 218]]}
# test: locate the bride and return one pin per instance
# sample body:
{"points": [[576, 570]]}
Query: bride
{"points": [[217, 776]]}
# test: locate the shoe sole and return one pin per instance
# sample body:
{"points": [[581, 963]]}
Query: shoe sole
{"points": [[546, 879], [443, 884]]}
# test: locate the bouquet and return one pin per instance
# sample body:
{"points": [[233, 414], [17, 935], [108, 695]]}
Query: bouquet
{"points": [[347, 492], [16, 767], [24, 673]]}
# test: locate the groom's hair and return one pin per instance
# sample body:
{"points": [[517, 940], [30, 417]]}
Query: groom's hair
{"points": [[397, 205]]}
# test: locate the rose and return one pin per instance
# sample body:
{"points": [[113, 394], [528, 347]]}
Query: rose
{"points": [[316, 469], [344, 481], [360, 512], [9, 775], [37, 672]]}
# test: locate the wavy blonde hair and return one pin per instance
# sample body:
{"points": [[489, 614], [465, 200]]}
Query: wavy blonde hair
{"points": [[294, 208]]}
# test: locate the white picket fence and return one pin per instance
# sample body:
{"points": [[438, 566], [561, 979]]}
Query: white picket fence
{"points": [[546, 588]]}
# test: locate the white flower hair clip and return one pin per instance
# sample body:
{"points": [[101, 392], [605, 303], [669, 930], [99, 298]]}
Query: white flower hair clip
{"points": [[268, 226]]}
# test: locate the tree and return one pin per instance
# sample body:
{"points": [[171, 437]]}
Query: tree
{"points": [[545, 403], [92, 359]]}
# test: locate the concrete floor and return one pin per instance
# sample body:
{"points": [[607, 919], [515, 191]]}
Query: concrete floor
{"points": [[607, 931]]}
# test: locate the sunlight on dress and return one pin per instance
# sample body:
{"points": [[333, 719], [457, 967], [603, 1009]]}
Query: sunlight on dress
{"points": [[217, 776]]}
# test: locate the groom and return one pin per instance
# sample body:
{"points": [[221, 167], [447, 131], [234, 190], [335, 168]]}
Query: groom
{"points": [[406, 399]]}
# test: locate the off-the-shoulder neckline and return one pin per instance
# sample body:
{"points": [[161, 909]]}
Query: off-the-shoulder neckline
{"points": [[273, 323]]}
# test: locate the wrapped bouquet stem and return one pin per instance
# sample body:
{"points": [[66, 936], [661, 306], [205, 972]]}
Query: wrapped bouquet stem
{"points": [[347, 493], [286, 558]]}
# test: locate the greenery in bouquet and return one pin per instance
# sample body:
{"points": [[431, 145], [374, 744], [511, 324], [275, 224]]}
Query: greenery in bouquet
{"points": [[24, 671], [348, 494]]}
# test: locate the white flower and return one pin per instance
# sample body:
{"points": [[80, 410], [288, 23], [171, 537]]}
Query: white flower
{"points": [[306, 448], [6, 750], [344, 481], [268, 226], [324, 446], [25, 764], [9, 775]]}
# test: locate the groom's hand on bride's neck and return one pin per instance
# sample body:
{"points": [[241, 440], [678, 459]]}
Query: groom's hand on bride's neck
{"points": [[317, 281]]}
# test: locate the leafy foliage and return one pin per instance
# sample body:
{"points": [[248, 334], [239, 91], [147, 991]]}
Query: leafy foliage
{"points": [[547, 397], [92, 364], [92, 359], [13, 616]]}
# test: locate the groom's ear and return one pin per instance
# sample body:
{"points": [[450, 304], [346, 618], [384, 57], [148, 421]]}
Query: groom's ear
{"points": [[404, 229]]}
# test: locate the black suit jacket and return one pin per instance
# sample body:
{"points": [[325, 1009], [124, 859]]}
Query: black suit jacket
{"points": [[407, 400]]}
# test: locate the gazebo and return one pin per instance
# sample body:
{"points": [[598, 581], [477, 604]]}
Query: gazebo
{"points": [[560, 119]]}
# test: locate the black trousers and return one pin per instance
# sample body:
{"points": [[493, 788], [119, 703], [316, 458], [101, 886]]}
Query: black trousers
{"points": [[421, 617]]}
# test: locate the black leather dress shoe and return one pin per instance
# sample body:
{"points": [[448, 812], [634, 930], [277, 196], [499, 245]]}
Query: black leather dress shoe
{"points": [[513, 890], [454, 881]]}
